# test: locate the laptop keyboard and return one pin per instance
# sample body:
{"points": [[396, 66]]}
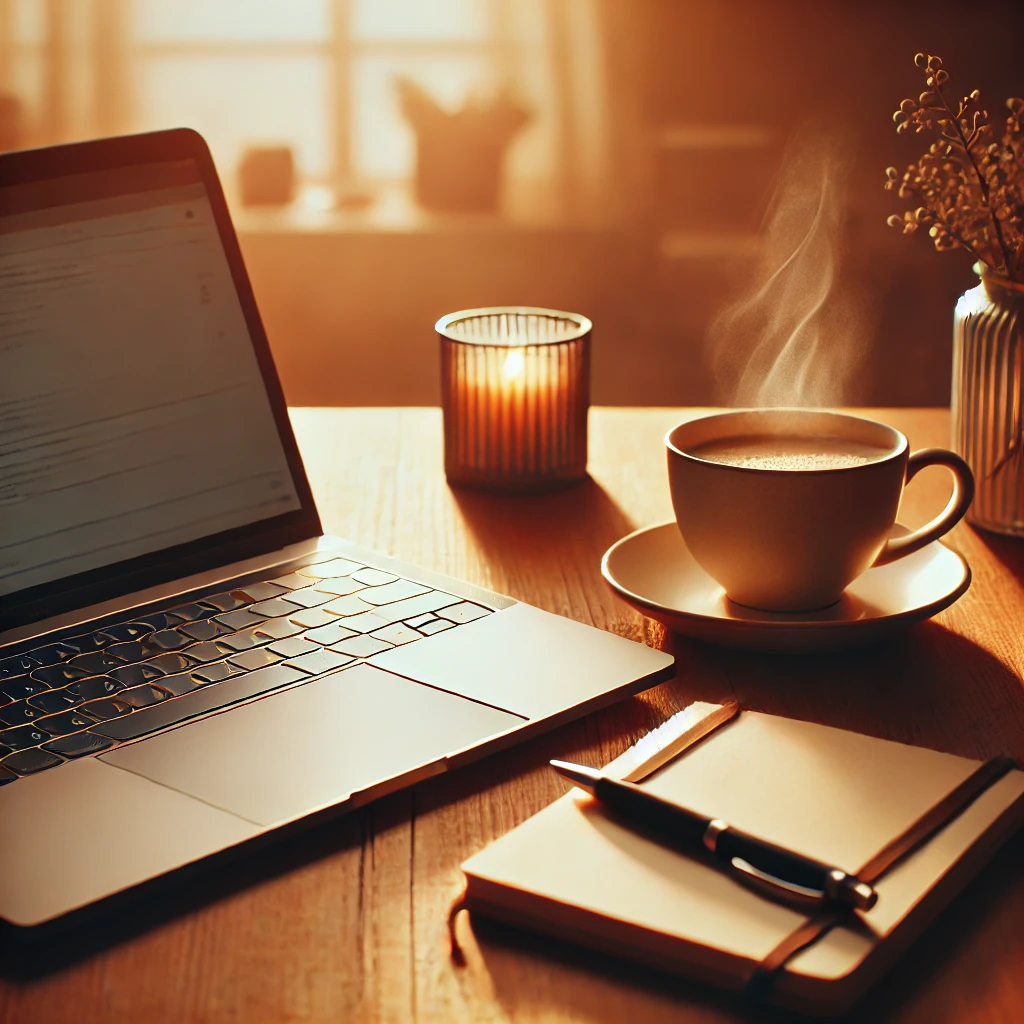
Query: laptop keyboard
{"points": [[86, 694]]}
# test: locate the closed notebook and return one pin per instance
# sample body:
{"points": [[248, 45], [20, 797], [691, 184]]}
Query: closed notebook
{"points": [[834, 795]]}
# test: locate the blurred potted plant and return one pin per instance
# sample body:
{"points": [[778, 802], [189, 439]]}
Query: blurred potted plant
{"points": [[968, 191], [460, 154]]}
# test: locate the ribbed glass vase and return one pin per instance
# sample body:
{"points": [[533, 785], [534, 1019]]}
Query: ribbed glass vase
{"points": [[988, 400], [515, 390]]}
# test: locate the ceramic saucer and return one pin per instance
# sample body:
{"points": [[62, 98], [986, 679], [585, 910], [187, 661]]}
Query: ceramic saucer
{"points": [[655, 573]]}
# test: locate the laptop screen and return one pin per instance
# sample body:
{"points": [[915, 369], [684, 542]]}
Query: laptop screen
{"points": [[133, 413]]}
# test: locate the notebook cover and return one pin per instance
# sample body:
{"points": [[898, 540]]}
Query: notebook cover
{"points": [[831, 794]]}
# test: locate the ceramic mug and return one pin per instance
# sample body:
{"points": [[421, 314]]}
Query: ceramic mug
{"points": [[792, 539]]}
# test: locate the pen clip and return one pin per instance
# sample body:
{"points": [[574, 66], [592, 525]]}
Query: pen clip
{"points": [[777, 888]]}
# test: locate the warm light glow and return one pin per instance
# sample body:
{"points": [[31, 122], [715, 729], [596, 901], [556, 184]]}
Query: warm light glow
{"points": [[514, 366]]}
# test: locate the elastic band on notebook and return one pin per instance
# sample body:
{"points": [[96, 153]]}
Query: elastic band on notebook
{"points": [[760, 983]]}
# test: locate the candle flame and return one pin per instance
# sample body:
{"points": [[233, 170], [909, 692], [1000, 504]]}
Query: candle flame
{"points": [[514, 365]]}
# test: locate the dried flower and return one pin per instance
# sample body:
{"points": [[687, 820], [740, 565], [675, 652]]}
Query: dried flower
{"points": [[969, 185]]}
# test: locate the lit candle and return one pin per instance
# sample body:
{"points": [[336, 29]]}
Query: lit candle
{"points": [[515, 385]]}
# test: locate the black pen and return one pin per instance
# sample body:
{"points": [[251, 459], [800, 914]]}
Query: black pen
{"points": [[773, 869]]}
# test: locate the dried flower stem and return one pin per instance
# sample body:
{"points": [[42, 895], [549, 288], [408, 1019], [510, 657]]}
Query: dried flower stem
{"points": [[970, 183], [965, 144]]}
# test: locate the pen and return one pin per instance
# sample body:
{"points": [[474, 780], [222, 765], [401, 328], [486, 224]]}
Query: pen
{"points": [[773, 869]]}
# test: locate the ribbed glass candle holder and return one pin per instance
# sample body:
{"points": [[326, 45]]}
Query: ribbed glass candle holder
{"points": [[515, 389]]}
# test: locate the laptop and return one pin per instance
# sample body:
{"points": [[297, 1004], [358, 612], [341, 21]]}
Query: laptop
{"points": [[186, 662]]}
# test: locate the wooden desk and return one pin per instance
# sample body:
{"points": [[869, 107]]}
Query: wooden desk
{"points": [[348, 922]]}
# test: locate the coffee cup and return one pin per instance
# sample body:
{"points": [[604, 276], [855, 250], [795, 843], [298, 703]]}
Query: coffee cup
{"points": [[786, 507]]}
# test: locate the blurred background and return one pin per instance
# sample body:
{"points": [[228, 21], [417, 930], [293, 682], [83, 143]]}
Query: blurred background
{"points": [[389, 161]]}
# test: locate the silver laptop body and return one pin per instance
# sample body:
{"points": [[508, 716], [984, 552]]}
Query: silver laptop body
{"points": [[187, 663]]}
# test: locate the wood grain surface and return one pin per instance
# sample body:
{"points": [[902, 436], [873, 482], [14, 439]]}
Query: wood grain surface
{"points": [[347, 922]]}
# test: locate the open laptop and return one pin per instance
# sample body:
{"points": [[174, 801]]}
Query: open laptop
{"points": [[186, 662]]}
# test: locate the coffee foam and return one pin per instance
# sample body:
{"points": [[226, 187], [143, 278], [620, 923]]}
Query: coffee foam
{"points": [[788, 453]]}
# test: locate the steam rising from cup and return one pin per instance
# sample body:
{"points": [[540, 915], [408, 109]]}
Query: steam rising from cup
{"points": [[795, 338]]}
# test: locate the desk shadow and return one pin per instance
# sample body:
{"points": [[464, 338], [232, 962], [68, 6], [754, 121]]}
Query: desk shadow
{"points": [[28, 955], [972, 948], [528, 971], [1009, 551], [31, 954], [536, 540], [928, 686]]}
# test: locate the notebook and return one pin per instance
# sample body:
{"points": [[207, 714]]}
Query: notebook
{"points": [[834, 795]]}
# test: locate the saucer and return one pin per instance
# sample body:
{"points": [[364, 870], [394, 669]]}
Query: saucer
{"points": [[654, 571]]}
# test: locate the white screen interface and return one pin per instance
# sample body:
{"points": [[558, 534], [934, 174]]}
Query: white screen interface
{"points": [[133, 416]]}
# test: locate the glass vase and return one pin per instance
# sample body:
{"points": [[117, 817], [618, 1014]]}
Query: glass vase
{"points": [[987, 400]]}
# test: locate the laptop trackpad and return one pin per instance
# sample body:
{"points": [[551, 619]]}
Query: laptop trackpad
{"points": [[315, 745]]}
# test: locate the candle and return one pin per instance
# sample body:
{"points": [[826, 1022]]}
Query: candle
{"points": [[515, 384]]}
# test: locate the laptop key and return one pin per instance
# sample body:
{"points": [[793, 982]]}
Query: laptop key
{"points": [[65, 722], [96, 663], [53, 654], [350, 605], [133, 651], [170, 664], [87, 642], [437, 626], [22, 737], [293, 647], [368, 622], [340, 586], [184, 682], [330, 634], [312, 617], [465, 612], [256, 658], [418, 620], [241, 619], [216, 672], [362, 646], [262, 591], [52, 701], [327, 570], [27, 762], [168, 639], [193, 612], [160, 620], [58, 675], [95, 687], [320, 661], [277, 629], [401, 611], [398, 634], [228, 601], [308, 597], [208, 652], [16, 666], [398, 590], [135, 675], [20, 712], [207, 629], [243, 640], [293, 581], [19, 689], [78, 744], [143, 696], [209, 698], [126, 631], [105, 708], [374, 577], [272, 608]]}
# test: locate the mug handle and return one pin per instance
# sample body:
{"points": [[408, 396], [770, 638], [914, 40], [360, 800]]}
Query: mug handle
{"points": [[956, 507]]}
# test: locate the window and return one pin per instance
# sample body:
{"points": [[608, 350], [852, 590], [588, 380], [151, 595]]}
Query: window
{"points": [[317, 75]]}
